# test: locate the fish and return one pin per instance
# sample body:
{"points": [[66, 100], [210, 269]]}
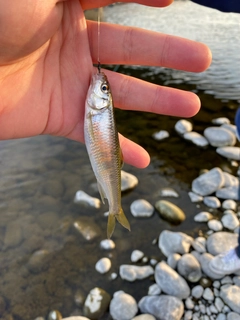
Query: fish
{"points": [[102, 143]]}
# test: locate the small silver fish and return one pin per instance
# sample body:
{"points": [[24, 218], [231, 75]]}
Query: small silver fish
{"points": [[101, 138]]}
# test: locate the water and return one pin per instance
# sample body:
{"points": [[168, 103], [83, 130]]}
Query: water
{"points": [[40, 176]]}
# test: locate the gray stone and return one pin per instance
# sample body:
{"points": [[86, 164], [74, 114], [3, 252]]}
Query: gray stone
{"points": [[182, 126], [230, 180], [221, 316], [189, 267], [221, 241], [208, 294], [203, 216], [230, 221], [236, 280], [231, 296], [229, 193], [160, 135], [216, 284], [229, 204], [162, 307], [189, 303], [226, 280], [212, 202], [197, 291], [144, 316], [230, 127], [173, 259], [170, 281], [188, 315], [154, 290], [204, 261], [96, 303], [196, 138], [219, 137], [128, 181], [75, 318], [83, 198], [39, 261], [215, 225], [170, 211], [141, 208], [221, 120], [168, 192], [233, 316], [208, 182], [136, 255], [195, 197], [103, 265], [216, 292], [232, 153], [174, 242], [123, 306], [132, 273]]}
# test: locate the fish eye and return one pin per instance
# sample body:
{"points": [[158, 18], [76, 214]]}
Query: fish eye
{"points": [[104, 87]]}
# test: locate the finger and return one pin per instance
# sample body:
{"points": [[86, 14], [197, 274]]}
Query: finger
{"points": [[90, 4], [134, 94], [133, 153], [127, 45]]}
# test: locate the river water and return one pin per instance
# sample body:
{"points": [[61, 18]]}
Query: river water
{"points": [[45, 263]]}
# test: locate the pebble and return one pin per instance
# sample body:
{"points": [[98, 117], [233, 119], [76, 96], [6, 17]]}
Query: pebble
{"points": [[87, 228], [96, 303], [76, 318], [221, 241], [233, 316], [160, 135], [199, 244], [236, 280], [205, 259], [196, 138], [162, 307], [189, 303], [231, 296], [113, 276], [208, 294], [212, 202], [173, 259], [144, 316], [168, 192], [188, 315], [83, 198], [54, 315], [230, 221], [174, 242], [136, 255], [226, 280], [209, 182], [221, 120], [229, 204], [189, 267], [154, 290], [170, 281], [128, 181], [39, 261], [195, 197], [141, 208], [215, 225], [107, 244], [219, 136], [230, 127], [197, 291], [182, 126], [123, 306], [203, 216], [232, 153], [230, 180], [170, 211], [103, 265], [131, 273], [221, 316], [229, 193]]}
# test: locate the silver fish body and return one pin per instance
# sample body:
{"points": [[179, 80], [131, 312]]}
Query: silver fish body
{"points": [[101, 138]]}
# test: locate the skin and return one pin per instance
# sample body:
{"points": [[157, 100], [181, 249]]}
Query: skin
{"points": [[47, 51]]}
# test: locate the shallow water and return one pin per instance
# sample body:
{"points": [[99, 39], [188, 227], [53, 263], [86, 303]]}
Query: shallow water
{"points": [[39, 178]]}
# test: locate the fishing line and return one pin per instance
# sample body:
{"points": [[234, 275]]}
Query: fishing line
{"points": [[98, 42]]}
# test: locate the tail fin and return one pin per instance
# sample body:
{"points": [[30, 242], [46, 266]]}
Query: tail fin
{"points": [[121, 218]]}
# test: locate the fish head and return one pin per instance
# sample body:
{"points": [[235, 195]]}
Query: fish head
{"points": [[99, 94]]}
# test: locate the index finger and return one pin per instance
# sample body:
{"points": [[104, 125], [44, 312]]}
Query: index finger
{"points": [[90, 4]]}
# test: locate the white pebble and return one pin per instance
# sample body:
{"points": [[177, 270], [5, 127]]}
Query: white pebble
{"points": [[220, 121], [141, 208], [212, 202], [136, 255], [195, 197], [107, 244], [229, 204], [215, 225], [203, 216], [82, 197], [168, 192], [232, 153], [128, 181], [103, 265], [160, 135], [196, 138], [182, 126], [154, 290], [208, 294]]}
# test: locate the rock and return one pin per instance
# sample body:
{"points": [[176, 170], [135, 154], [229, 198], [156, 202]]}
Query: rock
{"points": [[199, 244], [221, 316], [236, 280], [144, 316], [230, 221], [162, 307], [132, 273], [170, 281], [230, 180], [212, 202], [226, 280], [231, 296], [170, 211], [75, 318], [196, 138], [13, 235], [232, 153], [83, 198], [173, 259], [174, 242], [203, 216], [128, 181], [96, 303], [87, 228], [182, 126], [136, 255], [215, 225], [219, 137], [189, 303], [204, 261], [188, 315], [113, 276], [189, 268], [168, 192], [160, 135], [103, 265], [54, 315], [208, 182], [221, 120], [229, 204], [141, 208], [233, 316], [39, 261], [123, 306], [229, 193], [208, 294], [221, 241], [195, 197], [230, 127], [154, 290], [197, 292], [107, 244]]}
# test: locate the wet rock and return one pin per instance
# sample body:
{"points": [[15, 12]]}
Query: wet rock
{"points": [[174, 242], [221, 241], [215, 225], [144, 316], [162, 307], [173, 259], [160, 135], [195, 197], [197, 292], [232, 153], [128, 181], [182, 126], [199, 244], [229, 204], [229, 193], [96, 303], [230, 180], [13, 235], [168, 192], [219, 136], [196, 138], [154, 290], [220, 121], [87, 228], [203, 216], [39, 261], [208, 294], [123, 306], [107, 244], [212, 202], [170, 281], [205, 259], [136, 255], [170, 211], [230, 221], [189, 268], [54, 315], [83, 198], [231, 296], [103, 265], [141, 208], [208, 182], [132, 273], [233, 316]]}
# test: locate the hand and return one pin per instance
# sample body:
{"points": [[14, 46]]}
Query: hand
{"points": [[47, 52]]}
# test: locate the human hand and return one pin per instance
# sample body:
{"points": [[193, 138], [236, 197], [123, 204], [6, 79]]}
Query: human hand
{"points": [[46, 56]]}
